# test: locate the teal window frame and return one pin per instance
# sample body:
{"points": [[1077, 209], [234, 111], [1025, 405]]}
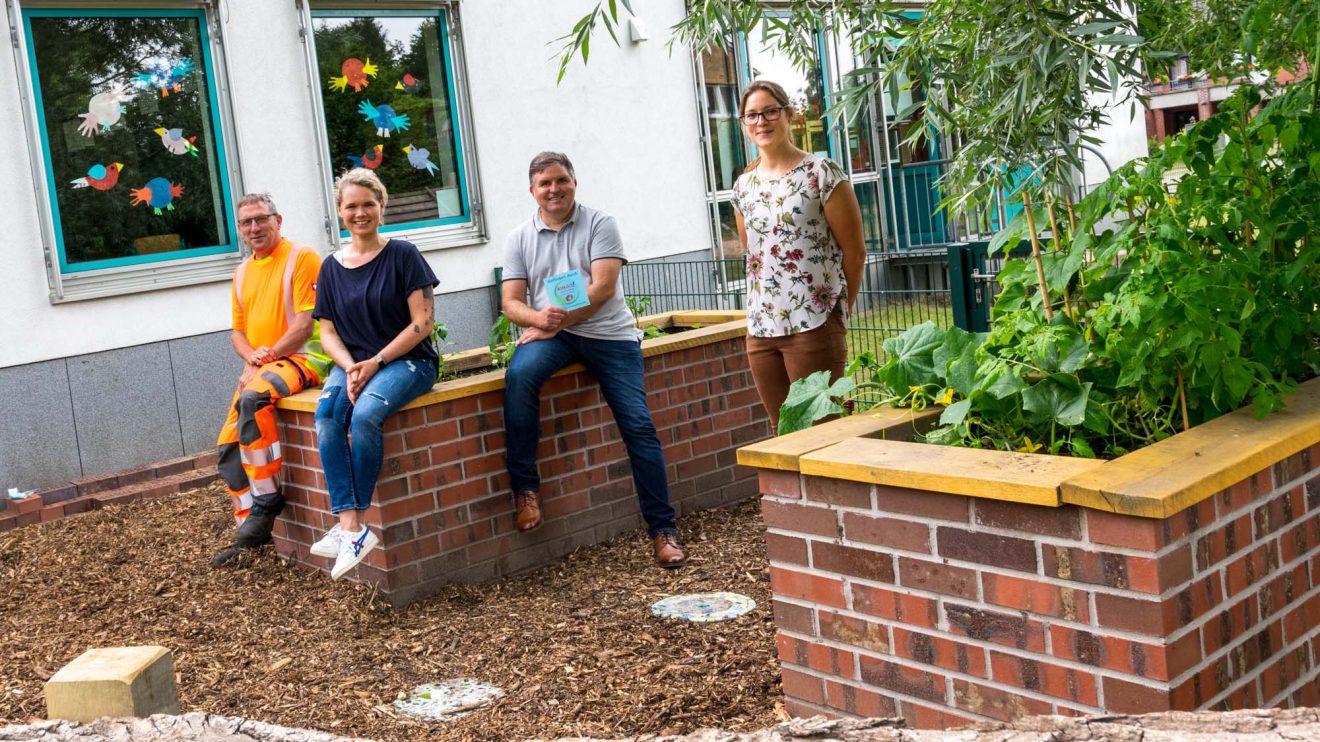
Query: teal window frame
{"points": [[222, 165], [455, 122]]}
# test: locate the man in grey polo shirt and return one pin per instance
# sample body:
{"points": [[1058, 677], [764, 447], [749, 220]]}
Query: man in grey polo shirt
{"points": [[563, 238]]}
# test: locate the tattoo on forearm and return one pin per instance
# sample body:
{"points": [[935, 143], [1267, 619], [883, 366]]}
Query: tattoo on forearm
{"points": [[417, 329]]}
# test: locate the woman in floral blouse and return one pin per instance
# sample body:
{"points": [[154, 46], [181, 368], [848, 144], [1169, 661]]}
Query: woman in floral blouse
{"points": [[799, 220]]}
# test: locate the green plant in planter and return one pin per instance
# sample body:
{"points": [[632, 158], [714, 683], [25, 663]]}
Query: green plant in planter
{"points": [[1183, 287], [1202, 298], [502, 342], [640, 306], [440, 340]]}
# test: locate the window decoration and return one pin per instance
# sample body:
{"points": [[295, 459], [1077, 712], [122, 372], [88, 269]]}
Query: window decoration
{"points": [[129, 120], [387, 90]]}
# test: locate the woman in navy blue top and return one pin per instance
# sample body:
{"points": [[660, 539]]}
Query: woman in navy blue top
{"points": [[376, 303]]}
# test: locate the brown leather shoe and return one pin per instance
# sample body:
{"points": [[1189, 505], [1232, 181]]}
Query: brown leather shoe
{"points": [[528, 503], [667, 551]]}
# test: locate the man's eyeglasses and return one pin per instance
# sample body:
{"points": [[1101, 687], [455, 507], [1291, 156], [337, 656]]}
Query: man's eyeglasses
{"points": [[254, 220], [769, 114]]}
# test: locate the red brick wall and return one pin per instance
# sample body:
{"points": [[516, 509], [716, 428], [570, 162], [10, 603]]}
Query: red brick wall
{"points": [[947, 609], [443, 503], [161, 479]]}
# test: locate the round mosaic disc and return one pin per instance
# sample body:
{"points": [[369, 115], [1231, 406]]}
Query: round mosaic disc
{"points": [[452, 699], [703, 607]]}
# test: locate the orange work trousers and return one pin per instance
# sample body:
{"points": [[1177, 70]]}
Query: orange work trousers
{"points": [[249, 441]]}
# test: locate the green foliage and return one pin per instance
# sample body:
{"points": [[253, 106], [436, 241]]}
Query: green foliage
{"points": [[811, 399], [439, 338], [1204, 286], [640, 306], [578, 41], [502, 343]]}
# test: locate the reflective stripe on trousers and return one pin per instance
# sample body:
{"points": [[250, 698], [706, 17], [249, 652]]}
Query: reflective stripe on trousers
{"points": [[250, 456]]}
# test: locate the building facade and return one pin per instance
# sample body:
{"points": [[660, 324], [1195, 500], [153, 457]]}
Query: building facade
{"points": [[135, 125]]}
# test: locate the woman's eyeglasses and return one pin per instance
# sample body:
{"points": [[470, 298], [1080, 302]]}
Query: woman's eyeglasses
{"points": [[769, 114]]}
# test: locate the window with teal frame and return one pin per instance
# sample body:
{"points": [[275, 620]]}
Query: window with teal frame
{"points": [[388, 95], [134, 159]]}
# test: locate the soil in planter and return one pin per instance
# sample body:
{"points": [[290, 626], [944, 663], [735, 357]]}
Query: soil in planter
{"points": [[574, 646]]}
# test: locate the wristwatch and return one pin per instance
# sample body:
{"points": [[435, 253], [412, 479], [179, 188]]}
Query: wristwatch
{"points": [[380, 360]]}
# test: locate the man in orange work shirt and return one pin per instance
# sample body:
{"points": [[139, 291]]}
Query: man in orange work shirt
{"points": [[272, 298]]}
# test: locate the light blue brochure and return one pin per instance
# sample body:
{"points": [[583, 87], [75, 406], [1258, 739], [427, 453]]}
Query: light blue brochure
{"points": [[567, 290]]}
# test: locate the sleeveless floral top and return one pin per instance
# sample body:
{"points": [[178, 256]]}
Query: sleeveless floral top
{"points": [[794, 264]]}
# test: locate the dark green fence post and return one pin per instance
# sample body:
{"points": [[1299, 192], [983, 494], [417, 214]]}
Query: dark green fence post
{"points": [[960, 284]]}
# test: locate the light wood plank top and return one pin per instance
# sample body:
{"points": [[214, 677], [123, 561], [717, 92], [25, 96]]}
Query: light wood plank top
{"points": [[783, 452], [1178, 472], [996, 475]]}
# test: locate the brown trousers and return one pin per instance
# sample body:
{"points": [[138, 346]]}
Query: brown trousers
{"points": [[779, 361]]}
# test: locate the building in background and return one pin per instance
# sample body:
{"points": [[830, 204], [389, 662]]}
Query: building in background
{"points": [[133, 127]]}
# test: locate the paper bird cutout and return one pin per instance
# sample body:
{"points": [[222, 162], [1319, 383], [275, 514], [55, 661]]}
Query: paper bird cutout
{"points": [[370, 159], [158, 193], [407, 83], [355, 72], [383, 118], [101, 177], [175, 142], [103, 110], [421, 159], [165, 78]]}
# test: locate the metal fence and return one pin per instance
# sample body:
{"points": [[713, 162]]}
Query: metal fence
{"points": [[898, 291]]}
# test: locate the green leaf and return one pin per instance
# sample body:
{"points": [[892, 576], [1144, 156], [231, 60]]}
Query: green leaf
{"points": [[1089, 28], [1081, 448], [955, 359], [1052, 400], [1006, 384], [955, 413], [911, 360], [947, 435], [810, 399]]}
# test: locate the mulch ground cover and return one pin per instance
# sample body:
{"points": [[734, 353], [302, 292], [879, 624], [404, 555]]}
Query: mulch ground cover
{"points": [[574, 645]]}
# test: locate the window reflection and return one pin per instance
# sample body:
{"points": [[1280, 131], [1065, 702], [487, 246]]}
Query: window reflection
{"points": [[726, 142], [385, 87], [861, 153], [868, 197], [805, 91], [730, 245], [134, 159]]}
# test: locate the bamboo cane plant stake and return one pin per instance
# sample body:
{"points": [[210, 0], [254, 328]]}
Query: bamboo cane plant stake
{"points": [[1058, 245], [1035, 254]]}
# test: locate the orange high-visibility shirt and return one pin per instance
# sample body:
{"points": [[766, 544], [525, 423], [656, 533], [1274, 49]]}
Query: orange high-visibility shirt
{"points": [[261, 314]]}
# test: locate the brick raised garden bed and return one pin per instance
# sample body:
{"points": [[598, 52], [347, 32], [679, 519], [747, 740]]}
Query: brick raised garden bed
{"points": [[443, 504], [950, 585]]}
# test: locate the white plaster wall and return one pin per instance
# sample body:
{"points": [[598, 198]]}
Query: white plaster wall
{"points": [[1122, 139], [628, 120]]}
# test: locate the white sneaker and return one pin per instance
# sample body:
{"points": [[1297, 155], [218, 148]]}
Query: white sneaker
{"points": [[351, 551], [328, 546]]}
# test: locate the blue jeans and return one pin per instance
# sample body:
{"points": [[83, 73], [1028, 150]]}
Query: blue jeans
{"points": [[617, 365], [351, 472]]}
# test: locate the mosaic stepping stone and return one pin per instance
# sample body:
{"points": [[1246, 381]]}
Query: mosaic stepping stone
{"points": [[451, 699], [703, 607]]}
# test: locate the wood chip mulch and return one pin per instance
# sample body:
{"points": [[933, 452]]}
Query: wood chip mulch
{"points": [[574, 645]]}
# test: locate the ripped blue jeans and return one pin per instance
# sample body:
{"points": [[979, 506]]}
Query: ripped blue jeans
{"points": [[351, 471]]}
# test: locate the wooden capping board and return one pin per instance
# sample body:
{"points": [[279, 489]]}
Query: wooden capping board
{"points": [[784, 452], [997, 475], [1180, 471], [305, 401]]}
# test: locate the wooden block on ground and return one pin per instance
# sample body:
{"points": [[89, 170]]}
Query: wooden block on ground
{"points": [[115, 682]]}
